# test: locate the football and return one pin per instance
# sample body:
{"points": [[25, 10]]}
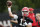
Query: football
{"points": [[9, 3]]}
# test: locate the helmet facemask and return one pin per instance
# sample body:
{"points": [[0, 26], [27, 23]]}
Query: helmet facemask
{"points": [[25, 13]]}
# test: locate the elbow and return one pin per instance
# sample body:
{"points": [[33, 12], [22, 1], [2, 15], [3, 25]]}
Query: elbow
{"points": [[11, 16]]}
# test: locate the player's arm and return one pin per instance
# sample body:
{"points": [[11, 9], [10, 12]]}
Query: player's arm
{"points": [[14, 21], [30, 20], [9, 4], [10, 13]]}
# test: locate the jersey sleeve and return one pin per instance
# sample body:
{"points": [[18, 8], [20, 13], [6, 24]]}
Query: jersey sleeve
{"points": [[30, 20], [15, 16]]}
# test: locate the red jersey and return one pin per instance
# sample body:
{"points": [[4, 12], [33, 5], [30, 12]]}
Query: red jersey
{"points": [[32, 16], [38, 24]]}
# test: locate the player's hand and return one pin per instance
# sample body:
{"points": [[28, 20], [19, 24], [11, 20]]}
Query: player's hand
{"points": [[9, 6], [9, 3]]}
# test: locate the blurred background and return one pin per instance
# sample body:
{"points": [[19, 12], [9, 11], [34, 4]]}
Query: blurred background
{"points": [[19, 4]]}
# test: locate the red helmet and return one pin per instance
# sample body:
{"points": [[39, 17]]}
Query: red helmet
{"points": [[31, 9], [25, 9]]}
